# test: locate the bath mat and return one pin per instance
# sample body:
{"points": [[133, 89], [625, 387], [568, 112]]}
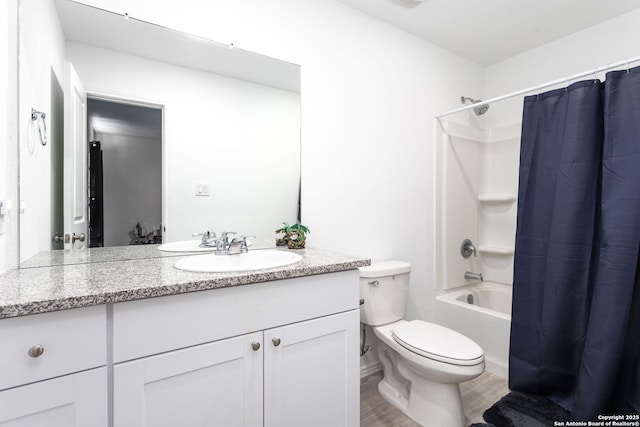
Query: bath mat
{"points": [[518, 409]]}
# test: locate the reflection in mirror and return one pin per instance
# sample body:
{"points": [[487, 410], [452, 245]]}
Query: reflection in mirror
{"points": [[229, 133], [125, 174]]}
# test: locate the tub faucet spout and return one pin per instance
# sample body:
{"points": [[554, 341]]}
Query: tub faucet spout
{"points": [[473, 276]]}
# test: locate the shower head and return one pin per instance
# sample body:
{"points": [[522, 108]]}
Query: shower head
{"points": [[480, 109]]}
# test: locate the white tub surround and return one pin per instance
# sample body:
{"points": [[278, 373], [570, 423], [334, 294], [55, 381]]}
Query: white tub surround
{"points": [[477, 198], [477, 187], [486, 297], [103, 352], [487, 320]]}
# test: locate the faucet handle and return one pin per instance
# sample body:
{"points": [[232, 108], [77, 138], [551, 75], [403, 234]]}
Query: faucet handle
{"points": [[205, 234], [207, 237], [245, 245], [467, 248], [224, 235]]}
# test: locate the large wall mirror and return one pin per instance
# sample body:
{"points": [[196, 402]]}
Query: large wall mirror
{"points": [[133, 134]]}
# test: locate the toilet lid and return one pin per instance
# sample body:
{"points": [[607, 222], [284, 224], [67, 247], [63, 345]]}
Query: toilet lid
{"points": [[438, 343]]}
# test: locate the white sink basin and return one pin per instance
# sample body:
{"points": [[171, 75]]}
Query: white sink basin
{"points": [[252, 260], [188, 246]]}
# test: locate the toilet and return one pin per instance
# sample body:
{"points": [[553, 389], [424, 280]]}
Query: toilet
{"points": [[423, 363]]}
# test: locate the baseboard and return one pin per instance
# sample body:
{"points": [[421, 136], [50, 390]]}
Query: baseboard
{"points": [[495, 368], [370, 369]]}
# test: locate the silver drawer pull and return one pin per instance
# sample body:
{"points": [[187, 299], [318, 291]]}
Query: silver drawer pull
{"points": [[255, 346], [36, 351], [276, 341], [374, 283]]}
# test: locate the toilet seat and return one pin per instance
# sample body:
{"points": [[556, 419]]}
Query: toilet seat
{"points": [[438, 343]]}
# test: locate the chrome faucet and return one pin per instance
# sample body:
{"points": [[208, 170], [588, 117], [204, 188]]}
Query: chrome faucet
{"points": [[238, 245], [222, 243], [473, 276], [208, 238]]}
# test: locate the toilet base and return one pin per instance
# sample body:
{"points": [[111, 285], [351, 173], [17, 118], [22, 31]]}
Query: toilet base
{"points": [[429, 403]]}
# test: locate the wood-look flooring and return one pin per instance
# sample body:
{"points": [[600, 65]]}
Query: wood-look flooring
{"points": [[477, 396]]}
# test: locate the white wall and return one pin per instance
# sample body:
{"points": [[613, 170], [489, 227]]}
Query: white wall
{"points": [[369, 92], [605, 43], [498, 158], [132, 186], [239, 137], [8, 132], [41, 69], [594, 47]]}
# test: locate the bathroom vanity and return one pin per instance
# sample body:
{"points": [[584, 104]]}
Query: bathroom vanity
{"points": [[141, 343]]}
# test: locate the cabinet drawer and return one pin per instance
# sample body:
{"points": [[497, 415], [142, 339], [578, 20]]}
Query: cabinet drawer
{"points": [[157, 325], [72, 340], [71, 400]]}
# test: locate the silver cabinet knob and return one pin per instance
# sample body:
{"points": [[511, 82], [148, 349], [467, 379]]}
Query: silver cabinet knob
{"points": [[276, 341], [255, 346], [36, 351]]}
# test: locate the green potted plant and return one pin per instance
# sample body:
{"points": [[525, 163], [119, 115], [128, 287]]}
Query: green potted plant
{"points": [[294, 236]]}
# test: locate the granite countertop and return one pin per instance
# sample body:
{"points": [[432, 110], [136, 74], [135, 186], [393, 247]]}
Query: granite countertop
{"points": [[93, 255], [59, 287], [114, 253]]}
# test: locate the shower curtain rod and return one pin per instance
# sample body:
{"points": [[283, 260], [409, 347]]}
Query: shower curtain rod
{"points": [[565, 80]]}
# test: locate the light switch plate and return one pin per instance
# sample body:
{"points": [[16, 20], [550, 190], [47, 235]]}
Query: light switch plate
{"points": [[202, 189]]}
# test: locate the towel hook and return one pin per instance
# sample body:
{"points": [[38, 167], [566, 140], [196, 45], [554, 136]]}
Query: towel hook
{"points": [[39, 117]]}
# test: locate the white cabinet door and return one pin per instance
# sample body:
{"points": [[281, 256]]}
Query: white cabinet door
{"points": [[214, 384], [312, 373], [72, 400]]}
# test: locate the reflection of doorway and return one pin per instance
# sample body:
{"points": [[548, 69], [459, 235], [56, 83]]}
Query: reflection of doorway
{"points": [[126, 142]]}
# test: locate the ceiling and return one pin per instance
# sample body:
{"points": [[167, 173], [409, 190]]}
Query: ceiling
{"points": [[85, 24], [89, 25], [124, 119], [489, 31]]}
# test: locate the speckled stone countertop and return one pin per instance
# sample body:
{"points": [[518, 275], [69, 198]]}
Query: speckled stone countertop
{"points": [[60, 287], [118, 253]]}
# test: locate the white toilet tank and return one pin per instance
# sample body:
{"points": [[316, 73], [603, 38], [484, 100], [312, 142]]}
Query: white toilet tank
{"points": [[384, 287]]}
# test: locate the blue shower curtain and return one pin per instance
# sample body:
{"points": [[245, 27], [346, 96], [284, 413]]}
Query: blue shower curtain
{"points": [[575, 329]]}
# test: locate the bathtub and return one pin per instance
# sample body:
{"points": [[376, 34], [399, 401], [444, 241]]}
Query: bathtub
{"points": [[482, 312]]}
